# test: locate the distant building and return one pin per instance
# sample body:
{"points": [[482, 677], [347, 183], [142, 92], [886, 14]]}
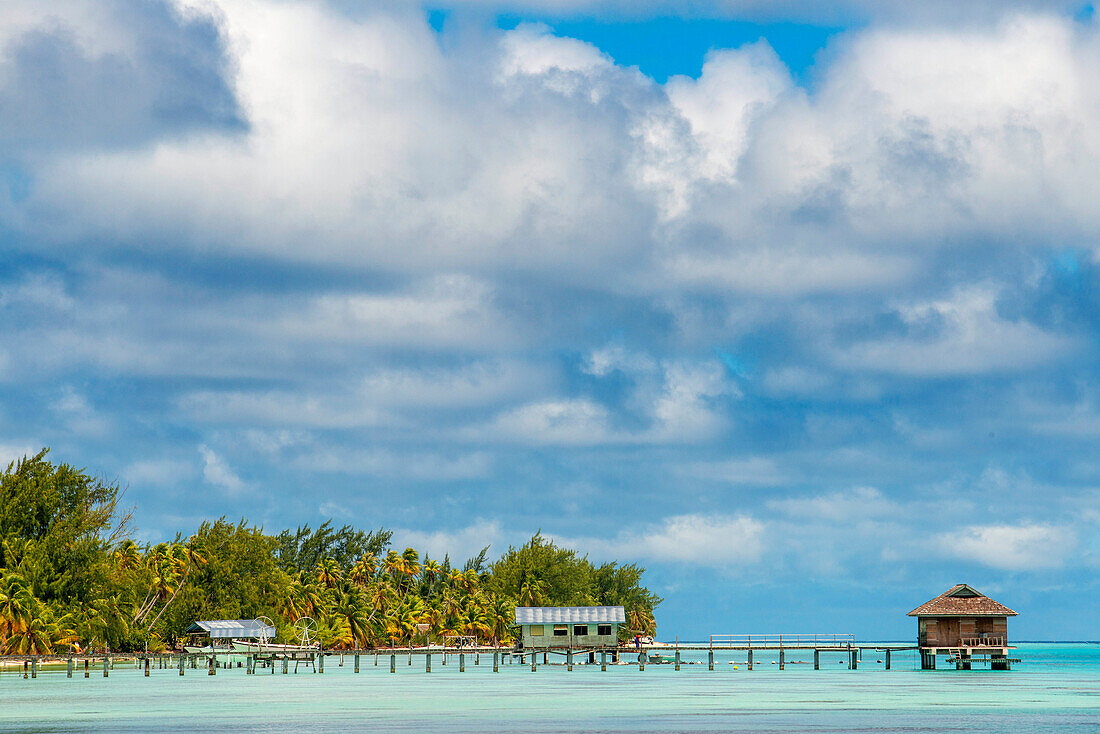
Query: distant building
{"points": [[960, 622], [569, 628], [207, 635]]}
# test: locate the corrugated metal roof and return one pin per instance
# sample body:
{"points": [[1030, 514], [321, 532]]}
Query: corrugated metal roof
{"points": [[567, 615], [221, 628]]}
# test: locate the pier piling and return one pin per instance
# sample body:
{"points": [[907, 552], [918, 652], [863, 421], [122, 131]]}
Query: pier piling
{"points": [[320, 668], [677, 660], [782, 659], [393, 663], [105, 668], [146, 667], [87, 673], [603, 660], [34, 667], [69, 669], [183, 665], [710, 659], [462, 662], [569, 660], [750, 659], [428, 662], [641, 661], [887, 659], [356, 662], [496, 662], [817, 660]]}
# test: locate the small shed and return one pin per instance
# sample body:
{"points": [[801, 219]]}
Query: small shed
{"points": [[569, 628], [962, 621], [230, 629]]}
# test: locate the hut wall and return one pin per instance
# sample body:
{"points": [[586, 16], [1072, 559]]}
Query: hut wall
{"points": [[549, 640]]}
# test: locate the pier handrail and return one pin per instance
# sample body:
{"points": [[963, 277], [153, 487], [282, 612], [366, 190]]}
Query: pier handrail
{"points": [[838, 639]]}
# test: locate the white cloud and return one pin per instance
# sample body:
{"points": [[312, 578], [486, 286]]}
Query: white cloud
{"points": [[158, 472], [459, 544], [717, 540], [852, 505], [760, 471], [1025, 547], [963, 334], [216, 472]]}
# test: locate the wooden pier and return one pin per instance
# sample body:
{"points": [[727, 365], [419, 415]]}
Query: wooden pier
{"points": [[786, 648]]}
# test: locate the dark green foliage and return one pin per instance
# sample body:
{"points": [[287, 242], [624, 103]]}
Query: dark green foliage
{"points": [[70, 575], [304, 548], [56, 522]]}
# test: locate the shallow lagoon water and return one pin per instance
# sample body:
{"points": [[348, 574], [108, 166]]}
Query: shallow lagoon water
{"points": [[1055, 689]]}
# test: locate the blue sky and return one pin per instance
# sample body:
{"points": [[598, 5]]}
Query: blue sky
{"points": [[795, 304]]}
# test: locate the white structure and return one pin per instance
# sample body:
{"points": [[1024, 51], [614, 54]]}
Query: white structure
{"points": [[570, 628]]}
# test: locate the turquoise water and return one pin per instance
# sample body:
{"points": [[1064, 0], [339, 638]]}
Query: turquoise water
{"points": [[1055, 689]]}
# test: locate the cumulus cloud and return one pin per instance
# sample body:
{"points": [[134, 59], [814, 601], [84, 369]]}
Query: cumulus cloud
{"points": [[217, 472], [963, 334], [1025, 547], [460, 544], [717, 540]]}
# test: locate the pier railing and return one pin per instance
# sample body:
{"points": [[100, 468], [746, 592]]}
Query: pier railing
{"points": [[801, 639], [988, 641]]}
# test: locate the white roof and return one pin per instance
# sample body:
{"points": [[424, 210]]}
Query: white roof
{"points": [[567, 615], [222, 628]]}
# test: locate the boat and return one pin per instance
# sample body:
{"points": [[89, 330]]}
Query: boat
{"points": [[251, 648]]}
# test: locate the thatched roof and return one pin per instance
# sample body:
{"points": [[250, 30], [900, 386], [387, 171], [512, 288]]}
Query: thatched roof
{"points": [[962, 601]]}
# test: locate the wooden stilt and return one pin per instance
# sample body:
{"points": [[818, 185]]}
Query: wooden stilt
{"points": [[603, 660], [69, 669], [782, 659], [356, 662], [817, 660], [677, 660], [710, 659], [750, 659]]}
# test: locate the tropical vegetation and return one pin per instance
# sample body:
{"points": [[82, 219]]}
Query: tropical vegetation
{"points": [[74, 576]]}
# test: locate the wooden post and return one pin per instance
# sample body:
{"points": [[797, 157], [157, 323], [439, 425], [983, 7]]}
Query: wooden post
{"points": [[887, 659], [782, 659], [86, 662], [427, 662], [356, 662], [69, 669], [546, 658], [677, 660], [477, 656], [817, 659], [569, 659], [25, 664], [462, 662], [533, 660], [710, 659], [182, 665], [855, 658], [34, 667], [603, 660], [393, 662], [286, 664], [321, 660], [496, 661], [641, 661], [213, 666], [146, 667], [750, 659], [105, 667]]}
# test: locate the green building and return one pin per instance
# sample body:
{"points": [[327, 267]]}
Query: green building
{"points": [[569, 628]]}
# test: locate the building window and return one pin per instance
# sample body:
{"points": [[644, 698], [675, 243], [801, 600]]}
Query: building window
{"points": [[580, 630], [537, 630], [603, 629], [561, 630]]}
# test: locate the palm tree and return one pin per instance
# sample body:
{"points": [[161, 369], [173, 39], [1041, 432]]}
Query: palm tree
{"points": [[531, 592], [329, 573]]}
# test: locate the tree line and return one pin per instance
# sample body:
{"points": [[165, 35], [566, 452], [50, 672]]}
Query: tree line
{"points": [[72, 577]]}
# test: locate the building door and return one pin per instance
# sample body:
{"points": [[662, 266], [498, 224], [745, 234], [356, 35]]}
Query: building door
{"points": [[948, 632]]}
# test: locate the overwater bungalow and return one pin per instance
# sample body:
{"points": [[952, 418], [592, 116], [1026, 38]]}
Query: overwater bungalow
{"points": [[569, 628], [963, 622]]}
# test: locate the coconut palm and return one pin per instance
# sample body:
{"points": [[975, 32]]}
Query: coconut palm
{"points": [[328, 573]]}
